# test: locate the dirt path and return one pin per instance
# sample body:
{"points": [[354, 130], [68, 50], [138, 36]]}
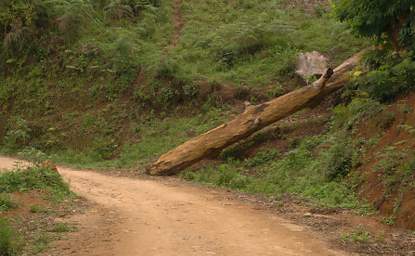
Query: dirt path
{"points": [[9, 163], [140, 217]]}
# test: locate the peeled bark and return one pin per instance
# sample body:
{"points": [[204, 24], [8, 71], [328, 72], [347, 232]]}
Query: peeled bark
{"points": [[252, 120]]}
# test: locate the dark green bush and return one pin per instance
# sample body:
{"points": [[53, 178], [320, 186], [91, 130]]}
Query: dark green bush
{"points": [[389, 80], [339, 160], [381, 19]]}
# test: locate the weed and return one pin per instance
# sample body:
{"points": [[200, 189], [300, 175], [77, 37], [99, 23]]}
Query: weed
{"points": [[38, 209], [359, 235], [62, 228], [6, 202], [35, 178], [262, 157], [10, 244], [41, 242], [389, 220]]}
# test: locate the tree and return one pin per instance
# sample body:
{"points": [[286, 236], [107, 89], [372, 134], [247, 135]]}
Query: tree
{"points": [[383, 19]]}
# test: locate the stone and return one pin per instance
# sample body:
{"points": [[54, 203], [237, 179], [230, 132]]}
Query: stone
{"points": [[311, 64]]}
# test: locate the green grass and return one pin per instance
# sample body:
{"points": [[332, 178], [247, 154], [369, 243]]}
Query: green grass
{"points": [[157, 136], [255, 43], [41, 242], [6, 202], [358, 235], [35, 178], [62, 228], [39, 209], [299, 172], [10, 244]]}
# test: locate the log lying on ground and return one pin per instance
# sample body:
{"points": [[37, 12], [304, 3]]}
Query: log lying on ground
{"points": [[252, 120]]}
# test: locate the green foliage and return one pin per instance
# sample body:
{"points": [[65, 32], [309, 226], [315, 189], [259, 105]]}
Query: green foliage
{"points": [[261, 157], [17, 133], [6, 202], [389, 80], [157, 136], [393, 19], [38, 209], [62, 228], [256, 48], [339, 158], [348, 116], [299, 172], [359, 235], [34, 178], [41, 242], [9, 242]]}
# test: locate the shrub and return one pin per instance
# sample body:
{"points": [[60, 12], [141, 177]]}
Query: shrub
{"points": [[379, 18], [339, 159], [389, 80], [18, 133]]}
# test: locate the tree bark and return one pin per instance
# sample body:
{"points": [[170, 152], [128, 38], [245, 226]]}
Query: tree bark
{"points": [[252, 120]]}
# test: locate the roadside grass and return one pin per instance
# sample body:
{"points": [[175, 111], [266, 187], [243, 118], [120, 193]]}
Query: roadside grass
{"points": [[298, 172], [319, 169], [39, 228], [39, 209], [40, 243], [358, 235], [35, 178], [10, 242], [6, 202], [62, 228]]}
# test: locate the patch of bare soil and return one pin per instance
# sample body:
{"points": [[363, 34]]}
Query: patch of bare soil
{"points": [[396, 199]]}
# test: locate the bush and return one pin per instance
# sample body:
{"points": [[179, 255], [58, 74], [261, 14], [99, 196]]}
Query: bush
{"points": [[379, 18], [389, 80], [17, 134], [339, 159], [9, 242]]}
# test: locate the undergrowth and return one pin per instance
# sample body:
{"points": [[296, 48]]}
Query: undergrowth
{"points": [[10, 244], [35, 178]]}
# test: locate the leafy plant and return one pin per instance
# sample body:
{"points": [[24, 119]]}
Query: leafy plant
{"points": [[382, 18], [18, 133], [359, 235]]}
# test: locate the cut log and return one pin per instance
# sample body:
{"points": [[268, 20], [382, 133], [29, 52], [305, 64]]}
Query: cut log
{"points": [[252, 120]]}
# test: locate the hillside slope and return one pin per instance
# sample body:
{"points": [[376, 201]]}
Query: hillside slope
{"points": [[115, 84]]}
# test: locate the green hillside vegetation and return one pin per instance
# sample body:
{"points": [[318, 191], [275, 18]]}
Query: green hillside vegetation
{"points": [[23, 231], [117, 83]]}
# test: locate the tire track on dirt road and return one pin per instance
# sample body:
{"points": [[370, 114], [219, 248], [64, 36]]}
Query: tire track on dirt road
{"points": [[143, 217]]}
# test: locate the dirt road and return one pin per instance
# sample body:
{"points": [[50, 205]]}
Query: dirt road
{"points": [[139, 217]]}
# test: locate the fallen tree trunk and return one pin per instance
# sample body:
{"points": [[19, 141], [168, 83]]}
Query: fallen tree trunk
{"points": [[252, 120]]}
